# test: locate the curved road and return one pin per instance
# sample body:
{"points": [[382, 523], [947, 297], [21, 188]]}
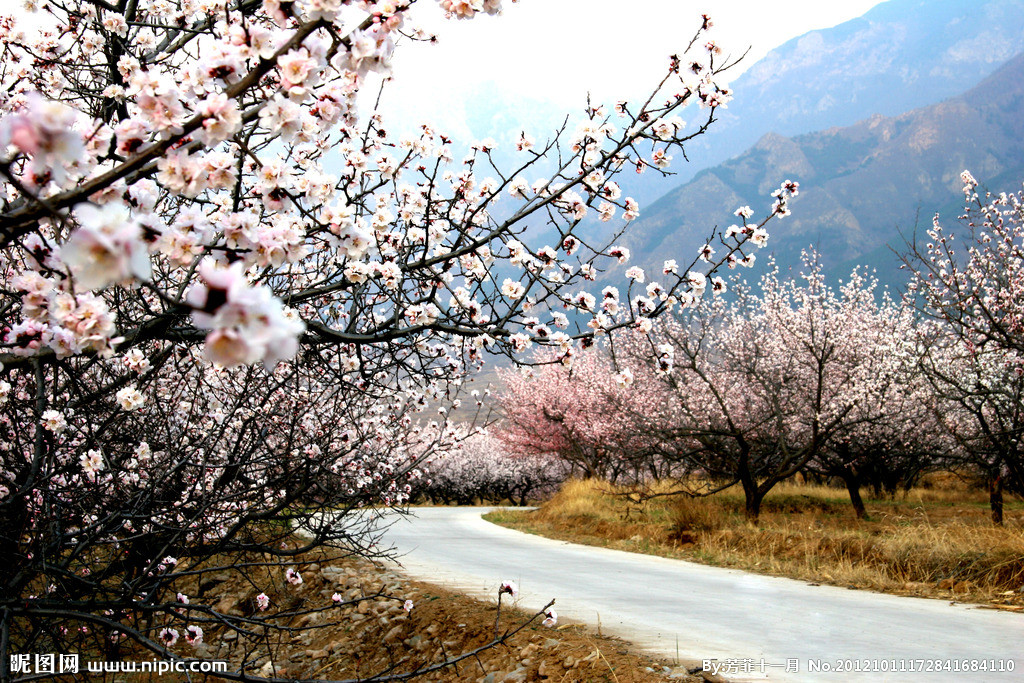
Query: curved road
{"points": [[689, 611]]}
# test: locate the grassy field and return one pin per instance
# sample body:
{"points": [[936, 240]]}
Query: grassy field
{"points": [[931, 542]]}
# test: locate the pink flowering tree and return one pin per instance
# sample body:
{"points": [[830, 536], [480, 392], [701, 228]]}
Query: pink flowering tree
{"points": [[889, 436], [582, 416], [971, 287], [170, 472], [976, 399], [228, 299], [779, 378]]}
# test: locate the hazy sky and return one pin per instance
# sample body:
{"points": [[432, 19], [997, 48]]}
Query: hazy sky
{"points": [[559, 50]]}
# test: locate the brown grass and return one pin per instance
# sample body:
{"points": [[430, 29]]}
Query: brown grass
{"points": [[936, 541]]}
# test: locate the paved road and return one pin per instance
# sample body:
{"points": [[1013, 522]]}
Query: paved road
{"points": [[691, 611]]}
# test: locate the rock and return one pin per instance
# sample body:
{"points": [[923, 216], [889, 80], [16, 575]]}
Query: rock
{"points": [[212, 580], [517, 676], [357, 617], [394, 634], [490, 678], [227, 605], [545, 670], [316, 654], [528, 650], [947, 584], [551, 642], [569, 662], [333, 575]]}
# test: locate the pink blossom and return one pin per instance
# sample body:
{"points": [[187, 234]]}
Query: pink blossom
{"points": [[53, 420], [130, 398], [194, 635], [293, 577], [106, 248], [247, 323], [222, 119], [92, 463]]}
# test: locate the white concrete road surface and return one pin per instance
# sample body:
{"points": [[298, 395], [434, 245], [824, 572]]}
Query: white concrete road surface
{"points": [[694, 612]]}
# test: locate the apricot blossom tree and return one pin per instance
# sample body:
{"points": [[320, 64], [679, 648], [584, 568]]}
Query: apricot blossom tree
{"points": [[976, 361], [584, 416], [782, 378]]}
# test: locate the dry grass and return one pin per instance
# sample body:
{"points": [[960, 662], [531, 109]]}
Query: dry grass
{"points": [[936, 541]]}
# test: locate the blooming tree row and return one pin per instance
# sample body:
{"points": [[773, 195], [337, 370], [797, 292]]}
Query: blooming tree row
{"points": [[480, 469], [757, 388], [794, 375]]}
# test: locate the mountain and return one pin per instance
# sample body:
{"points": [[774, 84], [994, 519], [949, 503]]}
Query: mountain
{"points": [[900, 55], [859, 183]]}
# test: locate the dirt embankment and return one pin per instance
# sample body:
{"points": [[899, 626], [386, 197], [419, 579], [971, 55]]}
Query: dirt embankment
{"points": [[379, 636]]}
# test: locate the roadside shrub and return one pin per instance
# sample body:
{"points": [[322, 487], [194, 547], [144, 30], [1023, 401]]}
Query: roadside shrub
{"points": [[691, 516]]}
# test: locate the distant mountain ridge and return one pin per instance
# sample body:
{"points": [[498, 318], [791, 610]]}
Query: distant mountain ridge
{"points": [[858, 183], [898, 56]]}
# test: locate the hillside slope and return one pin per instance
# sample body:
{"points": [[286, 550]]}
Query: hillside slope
{"points": [[858, 183]]}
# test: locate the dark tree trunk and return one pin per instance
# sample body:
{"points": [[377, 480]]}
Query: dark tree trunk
{"points": [[853, 487], [753, 508], [752, 502], [995, 499], [751, 491]]}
